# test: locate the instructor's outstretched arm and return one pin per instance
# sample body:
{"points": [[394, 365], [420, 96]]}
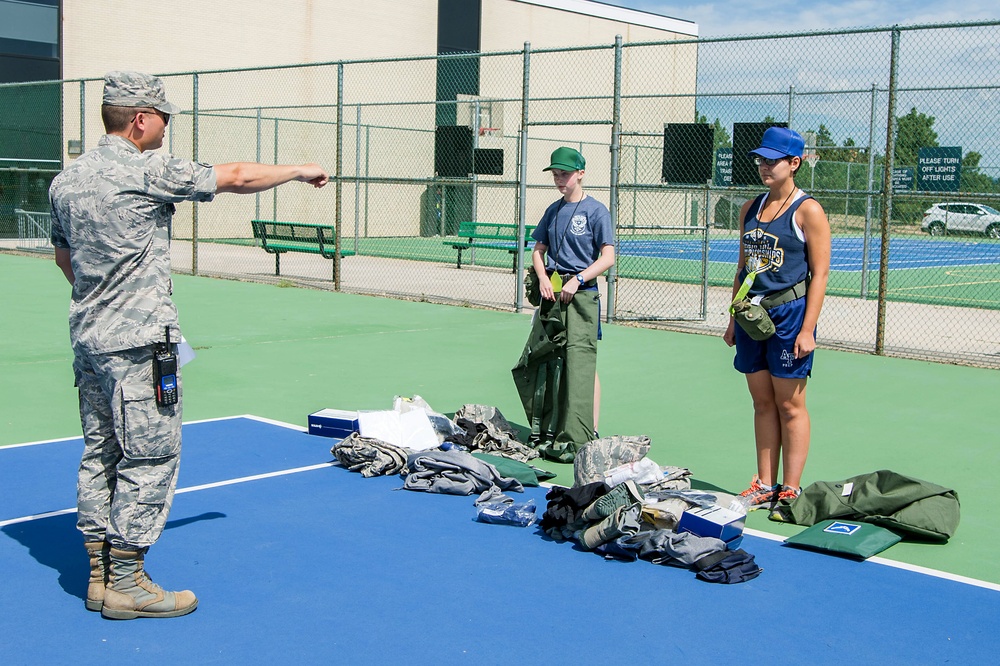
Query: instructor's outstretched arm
{"points": [[250, 177]]}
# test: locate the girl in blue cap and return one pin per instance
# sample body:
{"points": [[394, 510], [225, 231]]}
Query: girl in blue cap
{"points": [[785, 241]]}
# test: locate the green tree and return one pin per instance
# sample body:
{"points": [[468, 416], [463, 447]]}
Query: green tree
{"points": [[829, 151], [914, 131], [720, 137], [823, 137], [972, 179]]}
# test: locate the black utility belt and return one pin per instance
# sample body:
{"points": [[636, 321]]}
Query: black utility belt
{"points": [[589, 284]]}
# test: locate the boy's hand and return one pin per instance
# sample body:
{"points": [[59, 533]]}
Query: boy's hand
{"points": [[545, 288], [570, 287]]}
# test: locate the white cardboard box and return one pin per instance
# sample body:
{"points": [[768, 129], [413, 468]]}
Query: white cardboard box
{"points": [[714, 521]]}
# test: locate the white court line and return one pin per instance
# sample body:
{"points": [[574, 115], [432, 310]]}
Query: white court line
{"points": [[282, 424], [41, 441], [898, 565], [752, 532], [37, 516], [180, 491], [219, 418]]}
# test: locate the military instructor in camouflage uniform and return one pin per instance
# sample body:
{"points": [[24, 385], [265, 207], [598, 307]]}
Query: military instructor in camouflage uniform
{"points": [[111, 217]]}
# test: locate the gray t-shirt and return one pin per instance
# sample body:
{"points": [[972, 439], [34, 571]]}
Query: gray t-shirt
{"points": [[574, 233], [112, 209]]}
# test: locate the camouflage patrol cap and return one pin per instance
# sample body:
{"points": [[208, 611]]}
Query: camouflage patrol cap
{"points": [[136, 89]]}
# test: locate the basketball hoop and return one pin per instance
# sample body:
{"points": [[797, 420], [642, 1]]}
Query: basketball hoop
{"points": [[812, 159], [489, 131]]}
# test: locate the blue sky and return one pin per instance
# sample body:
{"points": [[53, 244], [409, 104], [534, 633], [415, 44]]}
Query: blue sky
{"points": [[748, 17], [927, 61]]}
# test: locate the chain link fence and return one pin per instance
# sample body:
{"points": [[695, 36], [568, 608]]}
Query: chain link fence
{"points": [[901, 153]]}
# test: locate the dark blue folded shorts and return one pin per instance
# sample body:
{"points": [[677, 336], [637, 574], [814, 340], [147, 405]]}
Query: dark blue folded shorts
{"points": [[777, 353]]}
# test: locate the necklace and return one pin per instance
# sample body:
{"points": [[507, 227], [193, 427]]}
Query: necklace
{"points": [[555, 219], [775, 216], [755, 264]]}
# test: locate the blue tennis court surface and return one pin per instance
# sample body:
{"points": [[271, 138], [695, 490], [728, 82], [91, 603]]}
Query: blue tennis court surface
{"points": [[298, 560], [847, 254]]}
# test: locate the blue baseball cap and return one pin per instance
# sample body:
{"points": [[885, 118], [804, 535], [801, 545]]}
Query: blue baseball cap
{"points": [[780, 142]]}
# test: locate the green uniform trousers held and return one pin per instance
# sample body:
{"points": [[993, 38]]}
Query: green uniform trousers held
{"points": [[555, 375]]}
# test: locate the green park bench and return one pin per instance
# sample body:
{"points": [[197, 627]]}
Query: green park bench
{"points": [[490, 235], [279, 237]]}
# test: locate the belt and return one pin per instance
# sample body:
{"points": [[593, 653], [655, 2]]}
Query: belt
{"points": [[572, 276], [589, 284], [794, 292]]}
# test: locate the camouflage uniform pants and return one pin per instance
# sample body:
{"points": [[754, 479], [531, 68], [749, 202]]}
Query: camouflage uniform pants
{"points": [[132, 448]]}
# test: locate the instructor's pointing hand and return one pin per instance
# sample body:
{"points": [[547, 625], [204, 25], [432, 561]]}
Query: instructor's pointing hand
{"points": [[313, 174]]}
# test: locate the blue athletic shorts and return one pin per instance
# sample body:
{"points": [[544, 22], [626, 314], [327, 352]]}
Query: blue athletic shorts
{"points": [[777, 353]]}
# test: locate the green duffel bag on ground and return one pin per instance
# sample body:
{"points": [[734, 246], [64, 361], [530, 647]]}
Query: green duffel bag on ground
{"points": [[913, 508]]}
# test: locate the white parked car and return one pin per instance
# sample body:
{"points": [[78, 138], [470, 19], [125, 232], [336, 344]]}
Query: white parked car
{"points": [[966, 218]]}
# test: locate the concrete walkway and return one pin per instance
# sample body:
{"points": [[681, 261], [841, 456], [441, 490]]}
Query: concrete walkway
{"points": [[942, 333]]}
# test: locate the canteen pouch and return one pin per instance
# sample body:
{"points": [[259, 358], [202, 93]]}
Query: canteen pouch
{"points": [[531, 289], [753, 319]]}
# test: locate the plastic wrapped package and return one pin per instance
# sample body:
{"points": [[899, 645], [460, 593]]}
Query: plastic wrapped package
{"points": [[503, 513], [641, 471]]}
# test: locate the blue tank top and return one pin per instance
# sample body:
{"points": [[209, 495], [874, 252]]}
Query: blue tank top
{"points": [[779, 243]]}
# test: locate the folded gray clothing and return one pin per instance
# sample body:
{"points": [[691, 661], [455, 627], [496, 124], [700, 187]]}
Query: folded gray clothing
{"points": [[494, 496], [453, 473], [371, 457], [668, 547]]}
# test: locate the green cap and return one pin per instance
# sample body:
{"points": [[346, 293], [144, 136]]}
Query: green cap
{"points": [[566, 159]]}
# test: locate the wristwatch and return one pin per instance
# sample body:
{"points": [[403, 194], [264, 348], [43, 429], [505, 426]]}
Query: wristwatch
{"points": [[579, 276]]}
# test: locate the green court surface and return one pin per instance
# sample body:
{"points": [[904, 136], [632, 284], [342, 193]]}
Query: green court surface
{"points": [[282, 353]]}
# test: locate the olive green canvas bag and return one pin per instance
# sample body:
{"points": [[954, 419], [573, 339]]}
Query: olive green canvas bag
{"points": [[845, 538]]}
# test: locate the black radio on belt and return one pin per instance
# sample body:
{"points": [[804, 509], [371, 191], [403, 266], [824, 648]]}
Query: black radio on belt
{"points": [[165, 373]]}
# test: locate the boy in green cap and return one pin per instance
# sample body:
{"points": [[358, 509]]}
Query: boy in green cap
{"points": [[574, 243]]}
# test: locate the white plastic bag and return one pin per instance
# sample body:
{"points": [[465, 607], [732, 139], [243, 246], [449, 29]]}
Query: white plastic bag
{"points": [[641, 471], [442, 425]]}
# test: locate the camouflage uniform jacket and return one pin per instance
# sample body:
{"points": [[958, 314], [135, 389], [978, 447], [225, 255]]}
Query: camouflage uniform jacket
{"points": [[112, 209]]}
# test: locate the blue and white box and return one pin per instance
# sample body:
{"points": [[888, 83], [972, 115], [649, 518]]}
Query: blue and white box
{"points": [[338, 423], [714, 521]]}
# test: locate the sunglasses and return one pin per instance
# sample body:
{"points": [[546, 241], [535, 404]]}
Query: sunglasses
{"points": [[758, 160], [161, 114]]}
